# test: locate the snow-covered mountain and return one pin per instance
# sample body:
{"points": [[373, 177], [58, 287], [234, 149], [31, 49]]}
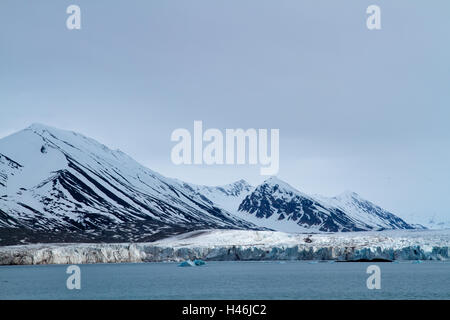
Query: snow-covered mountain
{"points": [[432, 224], [58, 185], [365, 211], [228, 197], [429, 222], [279, 206]]}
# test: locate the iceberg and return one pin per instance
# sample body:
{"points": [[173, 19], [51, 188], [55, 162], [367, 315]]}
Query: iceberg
{"points": [[187, 263], [199, 262]]}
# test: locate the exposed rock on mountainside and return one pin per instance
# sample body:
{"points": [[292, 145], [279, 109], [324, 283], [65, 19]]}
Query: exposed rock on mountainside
{"points": [[279, 202], [59, 186]]}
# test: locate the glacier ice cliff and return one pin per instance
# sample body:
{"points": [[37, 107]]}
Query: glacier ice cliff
{"points": [[231, 245]]}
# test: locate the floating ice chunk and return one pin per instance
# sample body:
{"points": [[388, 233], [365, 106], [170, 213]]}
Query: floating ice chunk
{"points": [[187, 263], [199, 262]]}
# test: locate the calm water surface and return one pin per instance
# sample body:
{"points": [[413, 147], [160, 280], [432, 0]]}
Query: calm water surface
{"points": [[229, 280]]}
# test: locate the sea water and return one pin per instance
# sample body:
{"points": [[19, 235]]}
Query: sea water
{"points": [[229, 280]]}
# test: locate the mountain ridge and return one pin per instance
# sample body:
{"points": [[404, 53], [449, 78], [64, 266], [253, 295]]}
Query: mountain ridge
{"points": [[59, 185], [70, 182], [277, 200]]}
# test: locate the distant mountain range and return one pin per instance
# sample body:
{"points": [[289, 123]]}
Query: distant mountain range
{"points": [[274, 204], [60, 186]]}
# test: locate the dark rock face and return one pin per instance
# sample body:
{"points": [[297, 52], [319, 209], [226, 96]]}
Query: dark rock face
{"points": [[275, 197], [271, 199]]}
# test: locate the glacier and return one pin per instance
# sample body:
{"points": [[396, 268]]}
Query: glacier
{"points": [[243, 245]]}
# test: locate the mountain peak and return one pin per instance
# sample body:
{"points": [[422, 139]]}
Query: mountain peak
{"points": [[70, 139], [42, 127], [237, 187], [275, 181], [348, 194], [37, 125], [241, 182]]}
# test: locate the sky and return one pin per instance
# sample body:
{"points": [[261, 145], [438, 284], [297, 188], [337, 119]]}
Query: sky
{"points": [[357, 109]]}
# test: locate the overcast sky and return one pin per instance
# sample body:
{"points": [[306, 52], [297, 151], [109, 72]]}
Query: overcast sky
{"points": [[357, 110]]}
